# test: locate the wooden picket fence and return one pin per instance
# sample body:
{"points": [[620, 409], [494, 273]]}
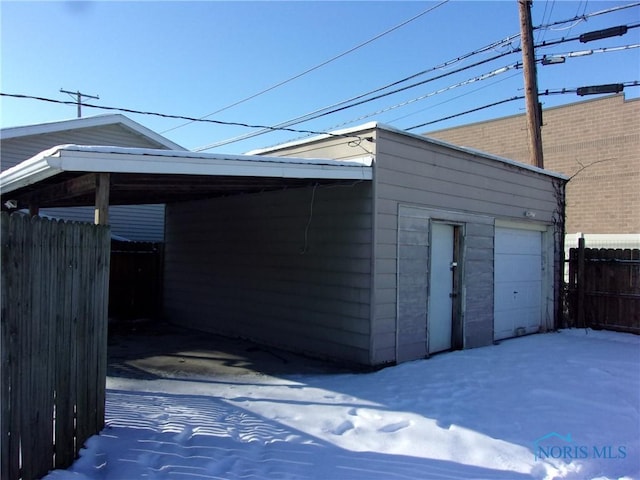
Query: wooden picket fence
{"points": [[53, 338], [603, 289]]}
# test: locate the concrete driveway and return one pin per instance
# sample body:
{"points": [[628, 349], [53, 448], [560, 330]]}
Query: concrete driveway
{"points": [[152, 350]]}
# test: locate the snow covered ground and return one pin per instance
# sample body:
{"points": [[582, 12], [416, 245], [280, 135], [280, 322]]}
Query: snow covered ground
{"points": [[557, 405]]}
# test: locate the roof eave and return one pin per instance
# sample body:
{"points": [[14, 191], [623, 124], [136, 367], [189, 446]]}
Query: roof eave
{"points": [[88, 122], [381, 126], [73, 158]]}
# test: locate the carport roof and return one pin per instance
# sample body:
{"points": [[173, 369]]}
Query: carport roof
{"points": [[66, 175]]}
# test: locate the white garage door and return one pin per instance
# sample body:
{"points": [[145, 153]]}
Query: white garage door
{"points": [[518, 282]]}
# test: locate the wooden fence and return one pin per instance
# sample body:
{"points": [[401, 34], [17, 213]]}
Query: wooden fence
{"points": [[53, 338], [603, 289], [135, 282]]}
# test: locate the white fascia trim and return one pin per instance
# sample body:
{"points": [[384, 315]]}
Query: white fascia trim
{"points": [[141, 153], [87, 122], [28, 172], [73, 158], [58, 126]]}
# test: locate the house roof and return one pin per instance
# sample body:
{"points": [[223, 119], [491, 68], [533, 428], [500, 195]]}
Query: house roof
{"points": [[381, 126], [88, 122], [65, 175]]}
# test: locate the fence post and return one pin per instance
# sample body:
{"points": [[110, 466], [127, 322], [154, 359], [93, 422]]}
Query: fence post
{"points": [[580, 284]]}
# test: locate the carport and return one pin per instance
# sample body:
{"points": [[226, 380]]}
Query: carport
{"points": [[74, 175]]}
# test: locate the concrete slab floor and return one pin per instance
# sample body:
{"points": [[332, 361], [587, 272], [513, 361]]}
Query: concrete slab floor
{"points": [[154, 350]]}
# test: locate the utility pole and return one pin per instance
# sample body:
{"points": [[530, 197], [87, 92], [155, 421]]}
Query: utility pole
{"points": [[534, 112], [79, 99]]}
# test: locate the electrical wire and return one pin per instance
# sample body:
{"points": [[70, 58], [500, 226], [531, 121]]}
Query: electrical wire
{"points": [[452, 99], [340, 106], [285, 125], [473, 80], [582, 53], [469, 81], [546, 44], [316, 67], [180, 117], [312, 115], [517, 97], [584, 17], [390, 122], [360, 102], [305, 246], [301, 118], [562, 91], [544, 18]]}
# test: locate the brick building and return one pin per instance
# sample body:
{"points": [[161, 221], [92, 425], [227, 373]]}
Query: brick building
{"points": [[596, 142]]}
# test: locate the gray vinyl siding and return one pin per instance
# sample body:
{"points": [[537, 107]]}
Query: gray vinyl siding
{"points": [[451, 185], [134, 222], [337, 148], [138, 223], [275, 267], [16, 150]]}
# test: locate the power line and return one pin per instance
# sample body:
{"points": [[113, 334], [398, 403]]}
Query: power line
{"points": [[340, 106], [281, 127], [485, 76], [310, 115], [316, 67], [302, 118], [480, 78], [584, 17], [180, 117], [469, 81], [582, 53], [323, 113], [572, 39], [517, 97], [392, 121], [561, 91]]}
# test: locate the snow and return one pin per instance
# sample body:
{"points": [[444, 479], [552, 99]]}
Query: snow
{"points": [[185, 154], [556, 405]]}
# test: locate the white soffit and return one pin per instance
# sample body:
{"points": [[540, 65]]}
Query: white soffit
{"points": [[77, 158]]}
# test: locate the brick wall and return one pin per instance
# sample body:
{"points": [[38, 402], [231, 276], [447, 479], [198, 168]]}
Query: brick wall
{"points": [[596, 142]]}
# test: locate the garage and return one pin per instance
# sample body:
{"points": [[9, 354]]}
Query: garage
{"points": [[368, 246], [518, 270]]}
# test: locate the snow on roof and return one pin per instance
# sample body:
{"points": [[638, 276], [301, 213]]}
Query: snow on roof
{"points": [[81, 158], [87, 122]]}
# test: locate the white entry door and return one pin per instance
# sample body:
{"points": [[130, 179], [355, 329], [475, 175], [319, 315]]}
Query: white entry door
{"points": [[518, 282], [440, 311]]}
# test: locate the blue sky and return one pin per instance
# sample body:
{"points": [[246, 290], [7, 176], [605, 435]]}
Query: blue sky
{"points": [[193, 58]]}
